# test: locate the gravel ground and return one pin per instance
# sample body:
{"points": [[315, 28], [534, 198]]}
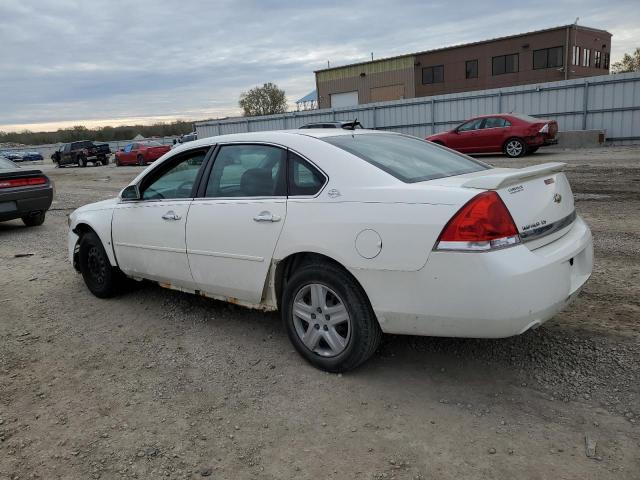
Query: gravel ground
{"points": [[160, 384]]}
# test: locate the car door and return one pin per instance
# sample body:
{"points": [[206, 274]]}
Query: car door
{"points": [[149, 233], [465, 137], [66, 154], [234, 225], [125, 155], [493, 134]]}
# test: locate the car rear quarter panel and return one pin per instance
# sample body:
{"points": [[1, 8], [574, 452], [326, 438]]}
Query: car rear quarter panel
{"points": [[407, 231]]}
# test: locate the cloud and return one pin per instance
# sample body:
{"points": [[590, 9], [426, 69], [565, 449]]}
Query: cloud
{"points": [[109, 61]]}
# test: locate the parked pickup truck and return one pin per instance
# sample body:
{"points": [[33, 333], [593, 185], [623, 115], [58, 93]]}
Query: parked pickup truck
{"points": [[82, 152]]}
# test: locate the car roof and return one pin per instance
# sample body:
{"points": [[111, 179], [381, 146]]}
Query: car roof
{"points": [[277, 136]]}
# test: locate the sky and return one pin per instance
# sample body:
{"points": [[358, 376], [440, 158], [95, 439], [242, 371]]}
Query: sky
{"points": [[95, 63]]}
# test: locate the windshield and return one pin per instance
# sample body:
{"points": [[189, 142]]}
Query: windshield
{"points": [[407, 158]]}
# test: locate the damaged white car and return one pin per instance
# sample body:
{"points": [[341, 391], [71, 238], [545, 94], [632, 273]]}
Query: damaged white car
{"points": [[348, 234]]}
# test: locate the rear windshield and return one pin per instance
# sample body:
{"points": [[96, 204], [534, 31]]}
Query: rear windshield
{"points": [[407, 158]]}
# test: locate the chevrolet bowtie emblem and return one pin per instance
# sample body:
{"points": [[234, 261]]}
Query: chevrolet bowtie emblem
{"points": [[557, 198]]}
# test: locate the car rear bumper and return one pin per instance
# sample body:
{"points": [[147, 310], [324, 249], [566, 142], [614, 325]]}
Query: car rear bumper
{"points": [[483, 295], [22, 202]]}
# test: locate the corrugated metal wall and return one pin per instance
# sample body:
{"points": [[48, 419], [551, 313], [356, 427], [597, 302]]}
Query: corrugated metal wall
{"points": [[607, 102]]}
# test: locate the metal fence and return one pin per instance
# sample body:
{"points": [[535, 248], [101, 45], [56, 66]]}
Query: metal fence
{"points": [[608, 102]]}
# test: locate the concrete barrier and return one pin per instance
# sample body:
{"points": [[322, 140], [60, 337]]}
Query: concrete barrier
{"points": [[581, 138]]}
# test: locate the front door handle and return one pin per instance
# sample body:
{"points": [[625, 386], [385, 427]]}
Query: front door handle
{"points": [[266, 217], [171, 215]]}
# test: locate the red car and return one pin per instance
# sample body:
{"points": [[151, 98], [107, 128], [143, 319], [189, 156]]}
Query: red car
{"points": [[140, 153], [513, 134]]}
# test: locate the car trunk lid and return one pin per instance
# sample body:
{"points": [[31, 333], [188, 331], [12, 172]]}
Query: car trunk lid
{"points": [[539, 198]]}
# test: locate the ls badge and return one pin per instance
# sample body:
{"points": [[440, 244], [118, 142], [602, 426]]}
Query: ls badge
{"points": [[557, 198]]}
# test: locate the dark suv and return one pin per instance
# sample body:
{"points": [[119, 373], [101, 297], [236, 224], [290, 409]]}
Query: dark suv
{"points": [[82, 152]]}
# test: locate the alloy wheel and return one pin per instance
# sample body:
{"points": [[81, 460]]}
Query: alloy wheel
{"points": [[514, 148], [321, 320]]}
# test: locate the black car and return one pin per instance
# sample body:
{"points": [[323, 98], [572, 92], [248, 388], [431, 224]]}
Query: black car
{"points": [[82, 152], [25, 193], [350, 125]]}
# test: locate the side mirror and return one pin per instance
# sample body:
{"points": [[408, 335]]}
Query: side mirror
{"points": [[455, 130], [130, 192]]}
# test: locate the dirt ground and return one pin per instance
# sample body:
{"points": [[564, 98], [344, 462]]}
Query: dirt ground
{"points": [[160, 384]]}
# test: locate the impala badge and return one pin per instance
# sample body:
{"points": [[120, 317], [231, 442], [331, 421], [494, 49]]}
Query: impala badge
{"points": [[557, 198], [333, 193]]}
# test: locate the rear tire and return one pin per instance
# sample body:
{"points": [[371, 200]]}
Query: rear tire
{"points": [[101, 278], [318, 292], [514, 148], [34, 220]]}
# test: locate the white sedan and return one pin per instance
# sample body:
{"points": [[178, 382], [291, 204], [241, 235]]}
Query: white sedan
{"points": [[348, 234]]}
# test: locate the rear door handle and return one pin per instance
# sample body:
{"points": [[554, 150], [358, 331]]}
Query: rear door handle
{"points": [[266, 217], [171, 215]]}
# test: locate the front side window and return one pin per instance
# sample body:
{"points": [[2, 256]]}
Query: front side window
{"points": [[471, 69], [248, 171], [176, 180], [505, 64], [471, 125], [433, 74], [304, 178], [408, 159]]}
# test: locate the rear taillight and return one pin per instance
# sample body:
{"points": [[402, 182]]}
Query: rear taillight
{"points": [[22, 182], [482, 224], [544, 129]]}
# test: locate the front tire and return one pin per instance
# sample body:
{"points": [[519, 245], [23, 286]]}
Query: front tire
{"points": [[514, 148], [141, 161], [82, 162], [100, 277], [34, 220], [329, 319]]}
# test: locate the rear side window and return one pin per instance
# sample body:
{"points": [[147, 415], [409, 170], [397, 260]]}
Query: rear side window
{"points": [[495, 122], [304, 179], [407, 158], [248, 171]]}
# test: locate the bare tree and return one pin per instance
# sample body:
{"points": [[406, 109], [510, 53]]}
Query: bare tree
{"points": [[629, 63], [265, 100]]}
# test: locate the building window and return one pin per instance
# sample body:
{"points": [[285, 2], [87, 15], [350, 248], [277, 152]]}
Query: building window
{"points": [[433, 74], [586, 57], [596, 58], [505, 64], [576, 55], [472, 69], [547, 58], [605, 64]]}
